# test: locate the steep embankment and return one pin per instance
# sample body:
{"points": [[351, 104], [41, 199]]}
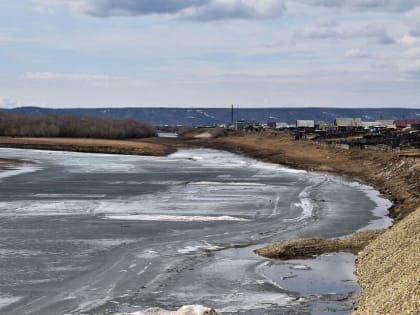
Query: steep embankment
{"points": [[388, 270], [389, 267]]}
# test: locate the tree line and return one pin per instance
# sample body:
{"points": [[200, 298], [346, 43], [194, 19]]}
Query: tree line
{"points": [[33, 125]]}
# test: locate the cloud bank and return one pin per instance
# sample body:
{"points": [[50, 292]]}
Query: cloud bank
{"points": [[375, 33], [204, 10]]}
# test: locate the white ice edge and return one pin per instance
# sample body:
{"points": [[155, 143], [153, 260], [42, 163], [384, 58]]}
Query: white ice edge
{"points": [[174, 218], [23, 169], [6, 300], [211, 157], [306, 203], [381, 210]]}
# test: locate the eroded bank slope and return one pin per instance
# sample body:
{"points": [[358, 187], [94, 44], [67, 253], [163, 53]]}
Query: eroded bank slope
{"points": [[388, 270]]}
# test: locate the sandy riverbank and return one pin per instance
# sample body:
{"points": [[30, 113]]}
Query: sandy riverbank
{"points": [[388, 268]]}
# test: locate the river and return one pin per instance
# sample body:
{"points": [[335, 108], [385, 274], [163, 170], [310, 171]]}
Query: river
{"points": [[88, 233]]}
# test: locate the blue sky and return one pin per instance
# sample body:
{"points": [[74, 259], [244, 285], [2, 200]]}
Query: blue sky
{"points": [[195, 53]]}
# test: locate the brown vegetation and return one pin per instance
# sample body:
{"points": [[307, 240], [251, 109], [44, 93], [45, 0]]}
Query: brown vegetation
{"points": [[6, 164], [310, 247], [202, 133], [132, 147], [72, 126]]}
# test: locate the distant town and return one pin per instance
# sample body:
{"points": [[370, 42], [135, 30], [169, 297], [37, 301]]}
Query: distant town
{"points": [[394, 128], [344, 133]]}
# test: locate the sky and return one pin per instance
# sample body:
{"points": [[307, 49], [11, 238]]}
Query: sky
{"points": [[210, 53]]}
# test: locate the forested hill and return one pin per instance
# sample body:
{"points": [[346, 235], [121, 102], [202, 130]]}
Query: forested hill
{"points": [[212, 116]]}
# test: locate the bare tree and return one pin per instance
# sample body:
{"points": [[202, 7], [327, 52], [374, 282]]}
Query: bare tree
{"points": [[22, 125]]}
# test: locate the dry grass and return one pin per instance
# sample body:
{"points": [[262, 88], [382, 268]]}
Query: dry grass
{"points": [[132, 147], [309, 247]]}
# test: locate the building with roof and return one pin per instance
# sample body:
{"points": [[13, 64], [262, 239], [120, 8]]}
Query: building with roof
{"points": [[389, 124], [348, 123], [406, 123], [305, 124]]}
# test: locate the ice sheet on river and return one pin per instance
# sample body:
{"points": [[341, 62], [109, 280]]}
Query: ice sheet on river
{"points": [[90, 233]]}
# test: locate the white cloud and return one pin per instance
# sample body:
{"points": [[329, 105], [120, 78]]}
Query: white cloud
{"points": [[220, 9], [204, 10], [68, 76], [104, 8], [409, 61], [95, 79], [234, 9], [160, 58], [9, 102], [371, 32], [413, 21], [43, 10], [372, 5], [355, 53], [409, 40]]}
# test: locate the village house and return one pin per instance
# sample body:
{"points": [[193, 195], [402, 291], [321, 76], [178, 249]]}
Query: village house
{"points": [[407, 123], [348, 123], [305, 124], [378, 124]]}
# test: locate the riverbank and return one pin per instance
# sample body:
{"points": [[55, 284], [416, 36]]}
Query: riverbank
{"points": [[129, 147]]}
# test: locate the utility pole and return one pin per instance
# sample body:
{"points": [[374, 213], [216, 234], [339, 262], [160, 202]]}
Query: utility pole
{"points": [[232, 115]]}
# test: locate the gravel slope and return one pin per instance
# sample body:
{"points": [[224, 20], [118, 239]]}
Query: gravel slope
{"points": [[388, 269]]}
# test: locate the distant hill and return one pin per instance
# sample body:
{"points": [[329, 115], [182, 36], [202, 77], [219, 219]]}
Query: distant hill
{"points": [[212, 116]]}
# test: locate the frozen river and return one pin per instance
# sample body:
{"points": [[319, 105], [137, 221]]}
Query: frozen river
{"points": [[98, 234]]}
